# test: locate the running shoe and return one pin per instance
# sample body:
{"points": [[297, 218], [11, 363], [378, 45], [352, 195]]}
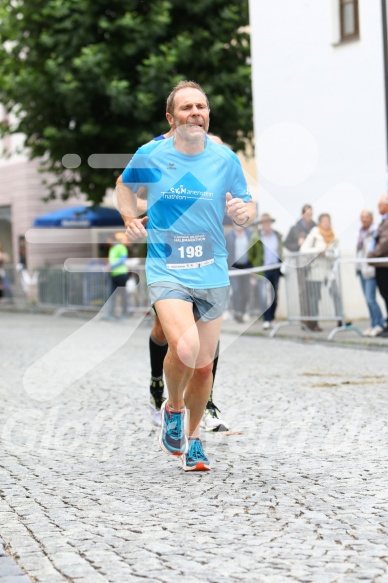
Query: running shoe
{"points": [[195, 459], [211, 421], [172, 436], [156, 400]]}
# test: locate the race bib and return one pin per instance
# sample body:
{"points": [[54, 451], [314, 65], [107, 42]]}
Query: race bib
{"points": [[188, 251]]}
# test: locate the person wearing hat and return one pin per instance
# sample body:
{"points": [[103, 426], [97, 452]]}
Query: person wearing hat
{"points": [[266, 249], [118, 271]]}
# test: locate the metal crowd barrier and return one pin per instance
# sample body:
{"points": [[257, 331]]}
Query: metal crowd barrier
{"points": [[89, 289], [314, 291], [86, 290], [12, 286], [312, 288], [261, 293]]}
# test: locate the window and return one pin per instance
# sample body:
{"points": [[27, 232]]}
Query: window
{"points": [[349, 19]]}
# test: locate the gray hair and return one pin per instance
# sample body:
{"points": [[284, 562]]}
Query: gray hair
{"points": [[183, 85]]}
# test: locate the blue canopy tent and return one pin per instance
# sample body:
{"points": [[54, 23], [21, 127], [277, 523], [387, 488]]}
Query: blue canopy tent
{"points": [[78, 237], [80, 217]]}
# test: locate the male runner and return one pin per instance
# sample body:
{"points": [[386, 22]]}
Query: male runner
{"points": [[186, 268], [158, 347]]}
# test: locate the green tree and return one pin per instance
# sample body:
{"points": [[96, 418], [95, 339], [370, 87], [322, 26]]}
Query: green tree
{"points": [[91, 76]]}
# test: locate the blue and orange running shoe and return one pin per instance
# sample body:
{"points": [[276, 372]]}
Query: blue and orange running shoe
{"points": [[195, 459], [172, 436]]}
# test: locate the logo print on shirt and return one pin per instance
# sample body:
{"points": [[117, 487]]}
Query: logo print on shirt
{"points": [[188, 187], [171, 166]]}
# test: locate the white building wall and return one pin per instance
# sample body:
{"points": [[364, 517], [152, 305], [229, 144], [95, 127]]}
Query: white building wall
{"points": [[319, 117]]}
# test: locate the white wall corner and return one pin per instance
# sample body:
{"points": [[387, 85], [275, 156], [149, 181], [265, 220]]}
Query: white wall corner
{"points": [[335, 37]]}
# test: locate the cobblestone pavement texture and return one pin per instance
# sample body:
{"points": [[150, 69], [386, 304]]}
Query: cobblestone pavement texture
{"points": [[10, 572], [298, 492]]}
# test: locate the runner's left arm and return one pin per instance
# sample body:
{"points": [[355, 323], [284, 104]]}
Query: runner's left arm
{"points": [[239, 204], [242, 213]]}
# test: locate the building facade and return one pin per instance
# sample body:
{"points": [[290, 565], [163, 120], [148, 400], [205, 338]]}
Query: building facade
{"points": [[22, 194], [22, 200], [319, 88], [319, 103]]}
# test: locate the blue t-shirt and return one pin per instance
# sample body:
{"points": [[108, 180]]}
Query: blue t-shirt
{"points": [[186, 205]]}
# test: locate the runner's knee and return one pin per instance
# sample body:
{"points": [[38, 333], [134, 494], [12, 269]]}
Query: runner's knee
{"points": [[185, 349], [204, 372]]}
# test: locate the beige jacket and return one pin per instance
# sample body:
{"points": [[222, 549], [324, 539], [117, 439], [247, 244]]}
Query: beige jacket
{"points": [[321, 264]]}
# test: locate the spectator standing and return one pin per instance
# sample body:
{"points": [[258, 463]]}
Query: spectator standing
{"points": [[323, 242], [367, 274], [298, 233], [118, 271], [237, 246], [295, 238], [5, 288], [379, 248], [266, 249], [2, 273]]}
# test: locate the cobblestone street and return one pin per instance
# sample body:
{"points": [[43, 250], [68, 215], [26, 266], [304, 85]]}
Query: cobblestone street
{"points": [[298, 489]]}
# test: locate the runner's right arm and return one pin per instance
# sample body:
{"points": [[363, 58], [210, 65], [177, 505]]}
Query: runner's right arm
{"points": [[128, 207]]}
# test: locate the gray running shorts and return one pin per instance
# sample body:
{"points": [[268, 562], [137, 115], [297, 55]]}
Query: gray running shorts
{"points": [[208, 304]]}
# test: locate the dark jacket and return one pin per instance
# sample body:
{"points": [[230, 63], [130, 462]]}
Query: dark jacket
{"points": [[381, 247], [298, 230]]}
